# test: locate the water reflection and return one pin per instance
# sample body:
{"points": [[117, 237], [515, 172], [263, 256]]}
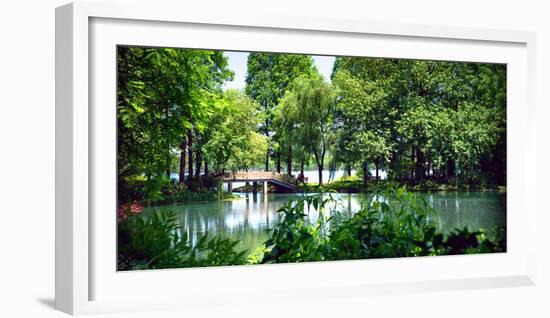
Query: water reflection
{"points": [[248, 218]]}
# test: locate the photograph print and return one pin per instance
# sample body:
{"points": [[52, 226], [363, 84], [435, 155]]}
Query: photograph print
{"points": [[244, 158]]}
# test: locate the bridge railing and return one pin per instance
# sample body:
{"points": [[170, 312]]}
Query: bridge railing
{"points": [[260, 175]]}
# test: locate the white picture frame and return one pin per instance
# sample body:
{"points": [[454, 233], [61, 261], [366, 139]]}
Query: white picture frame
{"points": [[85, 280]]}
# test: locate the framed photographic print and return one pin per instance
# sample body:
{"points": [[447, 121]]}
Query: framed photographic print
{"points": [[268, 154]]}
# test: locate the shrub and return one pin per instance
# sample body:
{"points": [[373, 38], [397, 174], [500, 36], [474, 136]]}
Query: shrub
{"points": [[294, 239], [157, 242], [393, 223], [162, 190]]}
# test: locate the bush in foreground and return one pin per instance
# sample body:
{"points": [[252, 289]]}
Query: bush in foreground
{"points": [[156, 242]]}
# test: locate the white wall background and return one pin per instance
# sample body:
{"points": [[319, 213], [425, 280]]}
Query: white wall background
{"points": [[27, 158]]}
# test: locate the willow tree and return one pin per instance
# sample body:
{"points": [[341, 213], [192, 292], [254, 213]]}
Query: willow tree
{"points": [[315, 101], [267, 80], [285, 122]]}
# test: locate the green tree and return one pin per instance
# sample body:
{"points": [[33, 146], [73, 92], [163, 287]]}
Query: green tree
{"points": [[363, 115], [432, 116], [233, 143], [268, 77], [285, 122], [165, 95], [316, 102]]}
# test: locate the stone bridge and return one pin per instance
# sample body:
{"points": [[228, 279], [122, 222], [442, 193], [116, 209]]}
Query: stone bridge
{"points": [[266, 177]]}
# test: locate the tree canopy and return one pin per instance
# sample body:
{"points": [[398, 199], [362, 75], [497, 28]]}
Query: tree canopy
{"points": [[423, 118], [413, 119], [267, 80]]}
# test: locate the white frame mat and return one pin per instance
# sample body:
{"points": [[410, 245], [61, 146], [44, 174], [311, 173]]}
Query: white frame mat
{"points": [[86, 277]]}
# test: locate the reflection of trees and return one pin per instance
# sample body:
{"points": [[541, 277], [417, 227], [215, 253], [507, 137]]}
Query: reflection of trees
{"points": [[474, 210], [247, 219]]}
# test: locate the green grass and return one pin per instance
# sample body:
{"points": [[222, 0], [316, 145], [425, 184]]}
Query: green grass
{"points": [[355, 185]]}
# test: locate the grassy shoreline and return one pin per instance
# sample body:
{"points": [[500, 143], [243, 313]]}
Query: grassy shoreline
{"points": [[356, 186], [189, 197], [223, 196], [174, 194]]}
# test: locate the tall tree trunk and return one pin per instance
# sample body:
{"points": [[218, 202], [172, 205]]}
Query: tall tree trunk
{"points": [[206, 172], [278, 161], [267, 152], [289, 161], [450, 168], [302, 170], [183, 145], [377, 165], [429, 166], [319, 160], [419, 169], [190, 153], [348, 168], [365, 167], [168, 157], [320, 170], [413, 154], [393, 167], [198, 160]]}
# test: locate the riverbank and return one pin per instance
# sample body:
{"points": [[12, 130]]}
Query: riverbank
{"points": [[169, 193], [163, 192], [194, 197], [355, 185]]}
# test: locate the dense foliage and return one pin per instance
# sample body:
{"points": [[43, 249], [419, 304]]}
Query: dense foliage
{"points": [[435, 121], [174, 116], [267, 80], [423, 119], [159, 242], [417, 120]]}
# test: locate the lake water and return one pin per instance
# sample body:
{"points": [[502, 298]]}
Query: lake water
{"points": [[248, 217]]}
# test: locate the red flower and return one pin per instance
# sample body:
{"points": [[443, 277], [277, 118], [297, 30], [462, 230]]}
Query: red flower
{"points": [[127, 209]]}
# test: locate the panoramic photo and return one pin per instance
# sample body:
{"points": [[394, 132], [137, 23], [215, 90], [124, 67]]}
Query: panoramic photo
{"points": [[243, 158]]}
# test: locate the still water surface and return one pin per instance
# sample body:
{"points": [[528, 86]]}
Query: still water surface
{"points": [[248, 217]]}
